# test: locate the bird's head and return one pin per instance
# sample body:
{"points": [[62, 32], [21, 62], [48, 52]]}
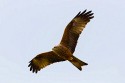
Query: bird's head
{"points": [[55, 48]]}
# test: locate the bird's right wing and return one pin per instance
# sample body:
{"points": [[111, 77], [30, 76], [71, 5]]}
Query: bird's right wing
{"points": [[42, 60]]}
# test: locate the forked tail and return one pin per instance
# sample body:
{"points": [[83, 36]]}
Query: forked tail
{"points": [[77, 63]]}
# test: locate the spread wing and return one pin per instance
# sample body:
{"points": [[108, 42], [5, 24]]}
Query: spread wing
{"points": [[74, 29], [42, 60]]}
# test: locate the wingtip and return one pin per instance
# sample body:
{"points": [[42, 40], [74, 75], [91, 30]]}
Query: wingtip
{"points": [[85, 12], [91, 17], [78, 14], [85, 63], [31, 67]]}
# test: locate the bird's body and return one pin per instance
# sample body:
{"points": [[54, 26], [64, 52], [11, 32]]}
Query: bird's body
{"points": [[64, 51]]}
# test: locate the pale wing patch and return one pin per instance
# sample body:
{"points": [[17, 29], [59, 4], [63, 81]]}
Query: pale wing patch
{"points": [[78, 26]]}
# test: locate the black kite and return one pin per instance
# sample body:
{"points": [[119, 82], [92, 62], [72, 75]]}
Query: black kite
{"points": [[64, 51]]}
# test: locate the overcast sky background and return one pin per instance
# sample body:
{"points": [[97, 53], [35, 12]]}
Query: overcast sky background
{"points": [[29, 27]]}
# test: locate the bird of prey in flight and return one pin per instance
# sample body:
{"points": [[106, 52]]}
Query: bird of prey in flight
{"points": [[65, 49]]}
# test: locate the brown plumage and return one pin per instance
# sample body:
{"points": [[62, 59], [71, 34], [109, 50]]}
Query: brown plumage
{"points": [[64, 51]]}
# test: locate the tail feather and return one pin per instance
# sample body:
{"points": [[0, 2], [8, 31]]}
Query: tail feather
{"points": [[77, 63]]}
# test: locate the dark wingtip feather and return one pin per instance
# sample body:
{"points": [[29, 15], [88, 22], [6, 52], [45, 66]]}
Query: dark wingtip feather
{"points": [[85, 63], [32, 67], [91, 17], [87, 16], [36, 71], [90, 14], [83, 12], [29, 65], [78, 14]]}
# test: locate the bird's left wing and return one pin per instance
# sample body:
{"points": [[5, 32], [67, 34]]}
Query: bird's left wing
{"points": [[74, 29], [42, 60]]}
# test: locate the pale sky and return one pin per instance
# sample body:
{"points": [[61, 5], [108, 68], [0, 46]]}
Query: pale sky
{"points": [[30, 27]]}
